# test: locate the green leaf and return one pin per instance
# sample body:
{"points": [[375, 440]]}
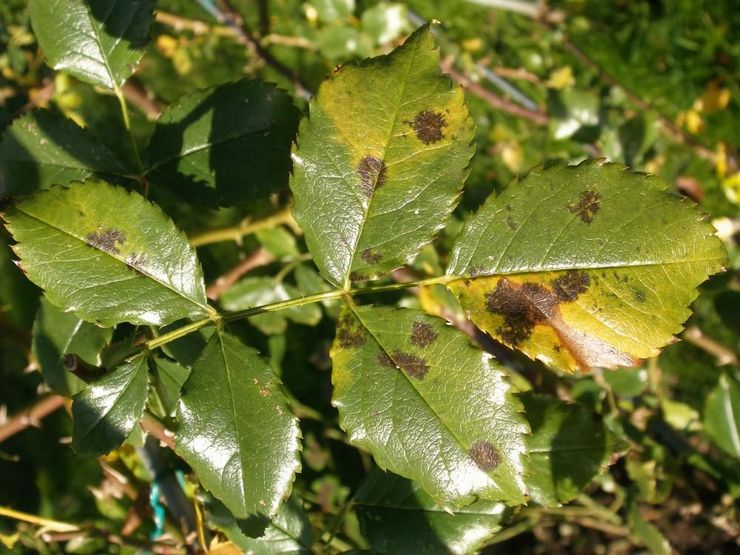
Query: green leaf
{"points": [[722, 415], [397, 517], [236, 430], [105, 413], [225, 145], [386, 21], [289, 532], [108, 255], [567, 449], [97, 41], [380, 162], [647, 534], [169, 377], [332, 10], [57, 333], [257, 291], [44, 148], [428, 405], [583, 266]]}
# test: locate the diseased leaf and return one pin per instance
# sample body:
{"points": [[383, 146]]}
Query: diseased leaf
{"points": [[97, 41], [428, 405], [567, 449], [722, 415], [108, 255], [397, 517], [225, 145], [105, 413], [56, 334], [44, 148], [583, 266], [288, 533], [236, 430], [380, 162]]}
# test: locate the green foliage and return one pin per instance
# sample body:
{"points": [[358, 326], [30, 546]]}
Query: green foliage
{"points": [[383, 358]]}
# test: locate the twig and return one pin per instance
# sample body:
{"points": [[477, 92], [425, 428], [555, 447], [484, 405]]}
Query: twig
{"points": [[723, 355], [138, 96], [494, 100], [31, 416], [231, 16], [182, 24], [151, 425], [246, 227], [47, 523], [260, 257]]}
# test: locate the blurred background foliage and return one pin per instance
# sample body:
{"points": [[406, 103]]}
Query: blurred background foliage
{"points": [[650, 83]]}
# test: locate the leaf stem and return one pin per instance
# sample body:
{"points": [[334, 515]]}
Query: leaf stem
{"points": [[54, 525], [127, 124], [236, 232], [177, 334]]}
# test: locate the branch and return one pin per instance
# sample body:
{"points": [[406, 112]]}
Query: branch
{"points": [[723, 355], [31, 416], [246, 227], [260, 257], [152, 425]]}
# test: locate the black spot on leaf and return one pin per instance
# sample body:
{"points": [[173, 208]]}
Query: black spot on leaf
{"points": [[511, 224], [422, 334], [108, 240], [349, 333], [385, 360], [589, 203], [136, 260], [639, 295], [570, 285], [372, 174], [428, 126], [485, 455], [371, 256], [414, 366]]}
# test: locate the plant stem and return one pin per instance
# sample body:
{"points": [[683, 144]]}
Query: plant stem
{"points": [[177, 334], [236, 232], [30, 416], [127, 124], [54, 525]]}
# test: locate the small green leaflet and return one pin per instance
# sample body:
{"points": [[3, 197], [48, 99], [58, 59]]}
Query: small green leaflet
{"points": [[396, 516], [97, 41], [567, 449], [44, 148], [722, 415], [583, 266], [236, 429], [105, 413], [380, 162], [57, 333], [108, 255], [428, 405], [226, 145]]}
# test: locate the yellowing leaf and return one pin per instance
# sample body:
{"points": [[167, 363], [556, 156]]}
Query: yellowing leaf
{"points": [[583, 266]]}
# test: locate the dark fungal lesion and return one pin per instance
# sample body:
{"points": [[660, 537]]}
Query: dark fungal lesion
{"points": [[372, 174], [414, 366], [485, 455], [136, 261], [589, 203], [385, 360], [422, 334], [428, 125], [525, 305], [349, 332], [371, 256], [107, 239]]}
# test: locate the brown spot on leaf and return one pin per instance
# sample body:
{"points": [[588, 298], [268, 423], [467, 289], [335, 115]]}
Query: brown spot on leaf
{"points": [[475, 271], [349, 333], [485, 455], [511, 224], [371, 256], [136, 260], [414, 366], [385, 360], [372, 174], [525, 305], [587, 206], [108, 240], [422, 334], [357, 276], [428, 126], [570, 285], [639, 295]]}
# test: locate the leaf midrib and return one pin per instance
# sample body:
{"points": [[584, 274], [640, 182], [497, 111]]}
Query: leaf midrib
{"points": [[206, 309]]}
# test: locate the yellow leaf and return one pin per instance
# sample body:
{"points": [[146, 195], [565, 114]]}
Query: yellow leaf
{"points": [[561, 78]]}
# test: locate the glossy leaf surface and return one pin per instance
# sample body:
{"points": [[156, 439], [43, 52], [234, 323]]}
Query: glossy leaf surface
{"points": [[105, 413], [722, 415], [428, 405], [397, 517], [225, 145], [97, 41], [236, 430], [57, 333], [108, 255], [44, 148], [567, 449], [584, 266], [380, 161]]}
